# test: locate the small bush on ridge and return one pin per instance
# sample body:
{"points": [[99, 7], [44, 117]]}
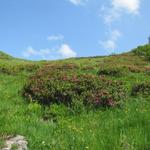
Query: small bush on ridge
{"points": [[143, 51]]}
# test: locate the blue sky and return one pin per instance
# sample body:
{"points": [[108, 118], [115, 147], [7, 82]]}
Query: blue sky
{"points": [[57, 29]]}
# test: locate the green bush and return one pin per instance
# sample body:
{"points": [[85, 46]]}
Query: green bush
{"points": [[54, 112], [133, 68], [141, 89], [13, 70], [29, 67], [56, 86], [5, 70], [147, 70], [111, 71], [143, 51], [5, 56]]}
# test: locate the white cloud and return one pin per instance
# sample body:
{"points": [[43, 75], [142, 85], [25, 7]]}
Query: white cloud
{"points": [[131, 6], [66, 51], [78, 2], [111, 43], [31, 52], [115, 34], [108, 45], [114, 11], [55, 37], [118, 8], [63, 51], [109, 15]]}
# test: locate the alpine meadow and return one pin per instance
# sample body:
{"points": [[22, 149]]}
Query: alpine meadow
{"points": [[74, 75], [79, 103]]}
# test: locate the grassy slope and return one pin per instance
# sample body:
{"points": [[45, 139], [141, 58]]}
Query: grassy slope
{"points": [[123, 128]]}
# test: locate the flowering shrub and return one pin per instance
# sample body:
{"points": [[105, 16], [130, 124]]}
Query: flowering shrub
{"points": [[141, 89], [133, 68], [60, 67], [56, 86], [120, 70]]}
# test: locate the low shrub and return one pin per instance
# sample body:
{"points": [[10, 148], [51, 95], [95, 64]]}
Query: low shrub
{"points": [[5, 56], [27, 67], [13, 70], [111, 71], [60, 67], [87, 68], [47, 87], [143, 51], [5, 70], [54, 112], [141, 89], [133, 68], [147, 70]]}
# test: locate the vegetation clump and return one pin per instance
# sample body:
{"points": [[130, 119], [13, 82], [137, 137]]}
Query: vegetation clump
{"points": [[116, 71], [141, 89], [56, 86], [60, 67], [133, 68], [143, 51], [13, 70], [5, 56]]}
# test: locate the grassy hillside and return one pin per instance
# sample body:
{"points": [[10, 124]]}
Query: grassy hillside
{"points": [[4, 55], [57, 126]]}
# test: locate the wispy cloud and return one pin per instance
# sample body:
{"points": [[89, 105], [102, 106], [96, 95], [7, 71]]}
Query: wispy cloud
{"points": [[117, 8], [131, 6], [63, 51], [42, 53], [110, 44], [112, 12], [78, 2], [66, 51], [55, 37]]}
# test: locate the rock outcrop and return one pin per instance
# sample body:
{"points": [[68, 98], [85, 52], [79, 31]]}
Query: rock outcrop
{"points": [[17, 143]]}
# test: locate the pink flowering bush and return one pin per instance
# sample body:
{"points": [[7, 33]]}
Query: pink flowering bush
{"points": [[49, 86]]}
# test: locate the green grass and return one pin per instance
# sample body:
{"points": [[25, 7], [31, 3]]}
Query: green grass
{"points": [[122, 128]]}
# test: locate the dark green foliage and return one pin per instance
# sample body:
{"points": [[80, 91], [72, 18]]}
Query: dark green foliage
{"points": [[13, 70], [5, 56], [5, 70], [143, 51], [141, 89], [55, 86], [111, 71]]}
